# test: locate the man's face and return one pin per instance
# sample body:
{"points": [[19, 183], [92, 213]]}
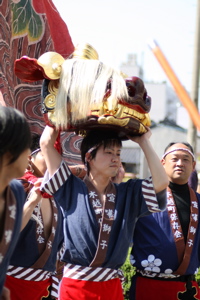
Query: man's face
{"points": [[18, 166], [178, 164], [107, 161]]}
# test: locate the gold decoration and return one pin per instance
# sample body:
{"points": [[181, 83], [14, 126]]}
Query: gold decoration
{"points": [[85, 51], [50, 102], [142, 129], [51, 116], [113, 121], [53, 87], [120, 112], [51, 62], [147, 120]]}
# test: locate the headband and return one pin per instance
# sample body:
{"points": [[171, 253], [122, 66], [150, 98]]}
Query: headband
{"points": [[177, 149], [93, 148], [35, 151], [90, 151]]}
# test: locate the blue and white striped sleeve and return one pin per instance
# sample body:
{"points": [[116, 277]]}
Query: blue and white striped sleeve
{"points": [[51, 185], [155, 202]]}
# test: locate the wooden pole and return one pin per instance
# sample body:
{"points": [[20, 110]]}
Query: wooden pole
{"points": [[179, 89]]}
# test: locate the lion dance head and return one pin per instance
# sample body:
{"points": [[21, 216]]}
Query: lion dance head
{"points": [[81, 93]]}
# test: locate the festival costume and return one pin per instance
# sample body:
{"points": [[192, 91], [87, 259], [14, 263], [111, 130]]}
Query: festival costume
{"points": [[96, 246], [81, 94], [15, 198], [165, 258], [32, 266]]}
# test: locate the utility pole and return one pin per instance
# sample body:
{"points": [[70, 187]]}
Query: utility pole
{"points": [[192, 131]]}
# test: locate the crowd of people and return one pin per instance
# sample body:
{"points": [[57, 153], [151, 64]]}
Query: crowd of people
{"points": [[66, 237], [79, 230]]}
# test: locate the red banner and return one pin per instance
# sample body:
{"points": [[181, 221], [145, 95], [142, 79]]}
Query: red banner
{"points": [[31, 28]]}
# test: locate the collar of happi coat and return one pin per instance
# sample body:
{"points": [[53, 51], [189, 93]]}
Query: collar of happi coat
{"points": [[104, 209], [45, 246], [183, 250], [10, 211]]}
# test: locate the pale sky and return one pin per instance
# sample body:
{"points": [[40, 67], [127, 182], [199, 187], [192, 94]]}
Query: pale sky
{"points": [[117, 28]]}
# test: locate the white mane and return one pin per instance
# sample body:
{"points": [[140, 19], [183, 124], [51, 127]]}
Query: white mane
{"points": [[83, 83]]}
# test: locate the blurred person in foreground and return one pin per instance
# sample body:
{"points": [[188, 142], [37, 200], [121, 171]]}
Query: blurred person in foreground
{"points": [[15, 142], [40, 246], [32, 270]]}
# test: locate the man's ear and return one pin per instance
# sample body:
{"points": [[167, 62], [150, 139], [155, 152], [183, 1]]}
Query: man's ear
{"points": [[163, 161], [87, 157], [194, 165]]}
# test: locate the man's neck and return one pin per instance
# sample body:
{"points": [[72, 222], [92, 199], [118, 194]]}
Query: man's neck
{"points": [[178, 182], [178, 187], [99, 182]]}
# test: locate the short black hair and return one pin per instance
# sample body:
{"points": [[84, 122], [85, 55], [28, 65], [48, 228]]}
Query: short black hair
{"points": [[35, 144], [15, 134], [99, 137], [184, 143]]}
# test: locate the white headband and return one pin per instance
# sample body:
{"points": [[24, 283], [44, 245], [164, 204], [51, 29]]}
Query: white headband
{"points": [[35, 151], [177, 149], [93, 148], [89, 151]]}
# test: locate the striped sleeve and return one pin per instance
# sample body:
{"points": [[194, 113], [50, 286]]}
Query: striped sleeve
{"points": [[52, 185], [150, 195], [54, 287]]}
